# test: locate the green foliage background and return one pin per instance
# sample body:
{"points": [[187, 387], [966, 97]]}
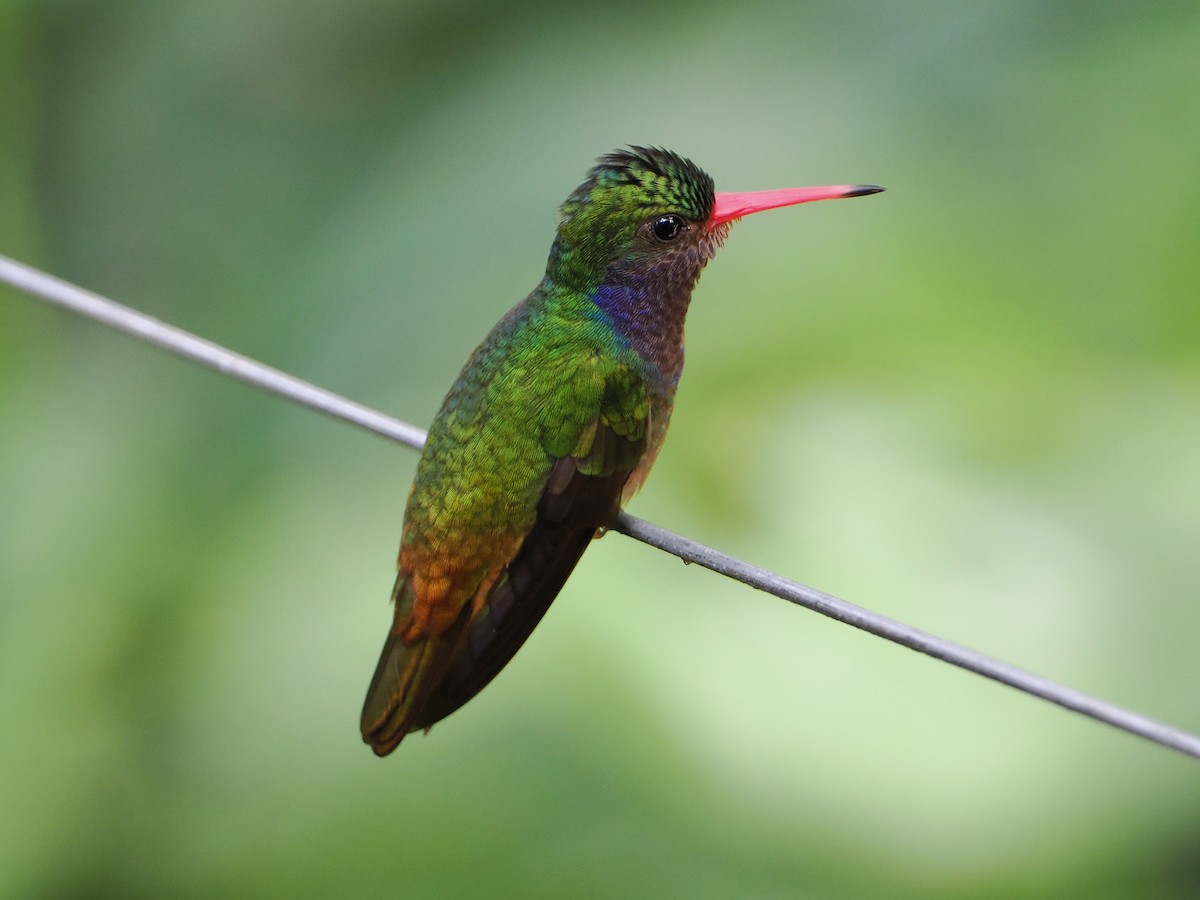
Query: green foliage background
{"points": [[970, 403]]}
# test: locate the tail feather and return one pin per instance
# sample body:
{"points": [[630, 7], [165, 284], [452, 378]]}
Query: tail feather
{"points": [[403, 678], [418, 683], [400, 689], [384, 712]]}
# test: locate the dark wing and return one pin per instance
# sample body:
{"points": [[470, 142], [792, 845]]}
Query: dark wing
{"points": [[417, 685]]}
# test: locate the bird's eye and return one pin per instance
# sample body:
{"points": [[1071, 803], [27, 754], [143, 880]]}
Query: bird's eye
{"points": [[667, 228]]}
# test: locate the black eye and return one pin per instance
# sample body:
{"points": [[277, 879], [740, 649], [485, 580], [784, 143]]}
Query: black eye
{"points": [[667, 228]]}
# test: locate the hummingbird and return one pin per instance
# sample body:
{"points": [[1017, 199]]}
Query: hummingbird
{"points": [[552, 425]]}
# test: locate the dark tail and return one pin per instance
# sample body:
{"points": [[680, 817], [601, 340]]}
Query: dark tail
{"points": [[384, 712], [403, 679], [418, 684]]}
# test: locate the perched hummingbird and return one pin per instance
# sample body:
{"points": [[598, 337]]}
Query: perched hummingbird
{"points": [[552, 424]]}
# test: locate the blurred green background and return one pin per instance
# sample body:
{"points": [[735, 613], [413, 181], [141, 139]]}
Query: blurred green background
{"points": [[970, 403]]}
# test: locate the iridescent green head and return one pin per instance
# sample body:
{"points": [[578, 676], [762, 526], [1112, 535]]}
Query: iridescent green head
{"points": [[634, 203]]}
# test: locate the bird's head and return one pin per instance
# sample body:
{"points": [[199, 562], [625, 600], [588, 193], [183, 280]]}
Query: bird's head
{"points": [[636, 204], [648, 206]]}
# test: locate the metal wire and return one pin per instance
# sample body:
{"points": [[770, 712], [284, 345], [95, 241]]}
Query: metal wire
{"points": [[175, 340], [214, 356]]}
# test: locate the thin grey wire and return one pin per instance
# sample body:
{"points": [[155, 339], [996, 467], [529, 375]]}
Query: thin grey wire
{"points": [[63, 294]]}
